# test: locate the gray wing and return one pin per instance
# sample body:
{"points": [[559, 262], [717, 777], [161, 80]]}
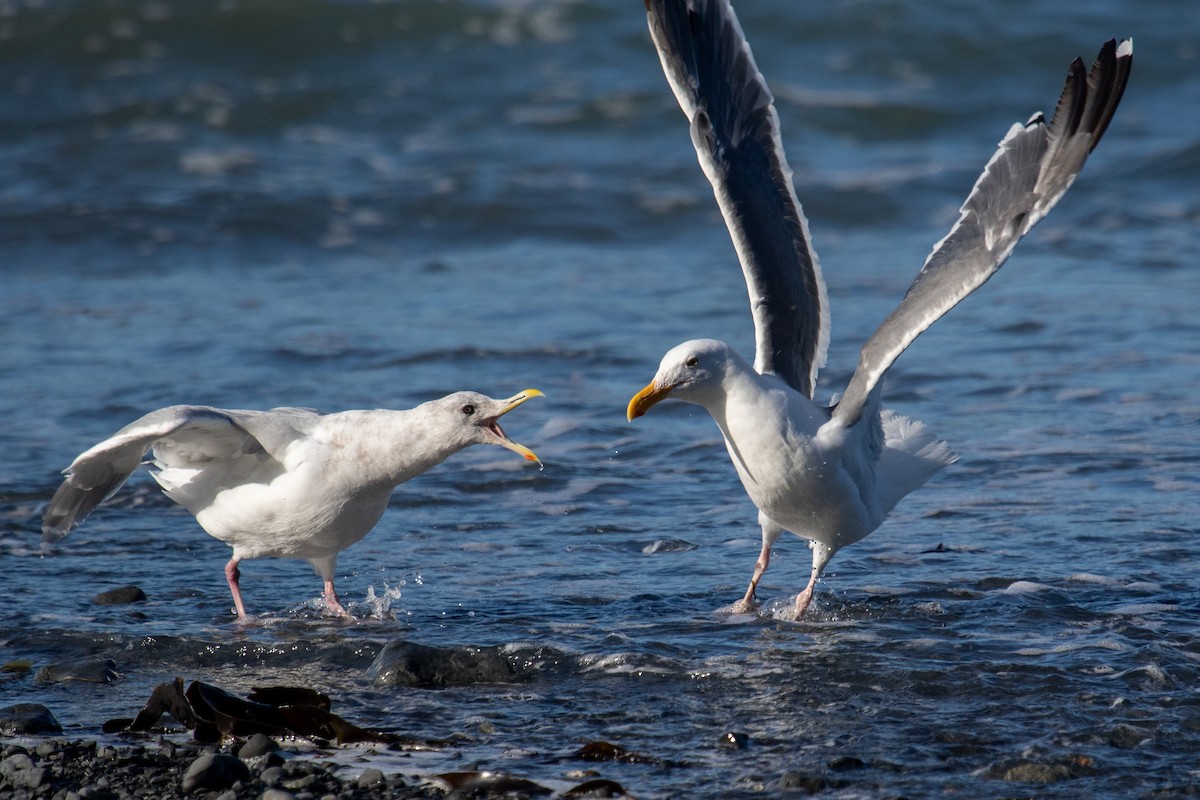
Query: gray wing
{"points": [[197, 433], [1034, 167], [735, 130]]}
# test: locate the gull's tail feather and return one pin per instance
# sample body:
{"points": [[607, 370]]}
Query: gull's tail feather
{"points": [[911, 455]]}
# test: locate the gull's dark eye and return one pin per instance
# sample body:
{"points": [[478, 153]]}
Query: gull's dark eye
{"points": [[692, 361], [468, 409]]}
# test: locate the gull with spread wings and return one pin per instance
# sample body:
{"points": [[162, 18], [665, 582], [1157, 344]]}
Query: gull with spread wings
{"points": [[831, 474]]}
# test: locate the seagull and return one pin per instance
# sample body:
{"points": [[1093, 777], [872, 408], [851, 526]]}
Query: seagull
{"points": [[289, 482], [831, 474]]}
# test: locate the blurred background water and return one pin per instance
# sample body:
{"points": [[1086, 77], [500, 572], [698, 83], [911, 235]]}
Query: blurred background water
{"points": [[370, 204]]}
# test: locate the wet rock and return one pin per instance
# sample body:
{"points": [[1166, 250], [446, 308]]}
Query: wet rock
{"points": [[1049, 770], [846, 763], [257, 746], [122, 595], [805, 783], [606, 751], [403, 663], [88, 669], [733, 741], [27, 719], [1128, 737], [489, 784], [214, 772], [370, 777], [597, 788], [1036, 772]]}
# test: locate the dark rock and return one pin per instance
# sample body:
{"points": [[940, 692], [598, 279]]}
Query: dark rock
{"points": [[606, 751], [95, 793], [88, 669], [27, 719], [407, 664], [120, 596], [489, 784], [597, 788], [271, 759], [1128, 737], [214, 772], [846, 763], [803, 782], [733, 741], [257, 746]]}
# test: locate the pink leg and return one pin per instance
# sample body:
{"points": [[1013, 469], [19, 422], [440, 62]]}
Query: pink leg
{"points": [[331, 599], [232, 575], [770, 533], [748, 603], [821, 555], [805, 597]]}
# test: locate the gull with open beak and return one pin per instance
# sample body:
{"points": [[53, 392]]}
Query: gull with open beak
{"points": [[289, 482]]}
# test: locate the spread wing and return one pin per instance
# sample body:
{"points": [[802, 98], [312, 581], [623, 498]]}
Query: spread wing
{"points": [[1035, 165], [735, 130], [196, 434]]}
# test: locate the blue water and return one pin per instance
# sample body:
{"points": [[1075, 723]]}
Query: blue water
{"points": [[353, 205]]}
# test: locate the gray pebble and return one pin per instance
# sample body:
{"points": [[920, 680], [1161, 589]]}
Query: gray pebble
{"points": [[271, 775], [370, 777], [29, 778], [277, 794], [214, 772], [18, 762], [256, 746]]}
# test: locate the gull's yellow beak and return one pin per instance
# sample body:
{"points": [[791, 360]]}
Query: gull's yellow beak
{"points": [[645, 399], [509, 405]]}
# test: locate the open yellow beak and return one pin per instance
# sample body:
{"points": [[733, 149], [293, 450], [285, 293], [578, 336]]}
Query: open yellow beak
{"points": [[645, 399], [509, 405]]}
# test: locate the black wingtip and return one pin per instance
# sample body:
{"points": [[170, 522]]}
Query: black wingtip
{"points": [[1107, 79], [1090, 96]]}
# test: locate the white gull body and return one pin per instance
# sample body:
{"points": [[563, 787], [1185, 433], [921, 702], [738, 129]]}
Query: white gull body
{"points": [[289, 482], [832, 474]]}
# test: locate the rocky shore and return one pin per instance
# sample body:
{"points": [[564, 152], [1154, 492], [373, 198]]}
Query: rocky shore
{"points": [[86, 770], [57, 769], [235, 752]]}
